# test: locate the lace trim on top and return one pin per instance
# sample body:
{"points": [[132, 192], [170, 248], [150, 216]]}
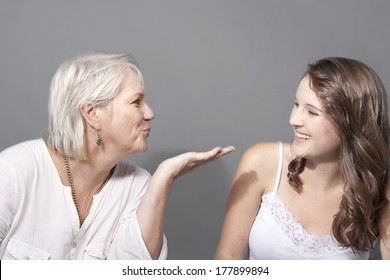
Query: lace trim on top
{"points": [[306, 244]]}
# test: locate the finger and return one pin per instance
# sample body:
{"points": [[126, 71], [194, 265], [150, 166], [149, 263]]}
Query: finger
{"points": [[228, 150], [218, 152]]}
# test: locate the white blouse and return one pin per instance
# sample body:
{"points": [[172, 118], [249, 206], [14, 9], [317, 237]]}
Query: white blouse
{"points": [[38, 219]]}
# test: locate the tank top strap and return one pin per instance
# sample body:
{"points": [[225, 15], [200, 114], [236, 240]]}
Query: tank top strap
{"points": [[280, 165]]}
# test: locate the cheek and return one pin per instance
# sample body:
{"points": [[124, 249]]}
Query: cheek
{"points": [[336, 140], [128, 122], [125, 119], [131, 126], [332, 136]]}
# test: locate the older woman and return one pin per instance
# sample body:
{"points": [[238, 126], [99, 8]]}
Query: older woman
{"points": [[69, 195]]}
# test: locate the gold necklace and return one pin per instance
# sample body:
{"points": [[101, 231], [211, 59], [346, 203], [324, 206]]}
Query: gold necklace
{"points": [[70, 181]]}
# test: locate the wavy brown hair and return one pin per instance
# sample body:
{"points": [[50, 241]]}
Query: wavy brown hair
{"points": [[354, 100]]}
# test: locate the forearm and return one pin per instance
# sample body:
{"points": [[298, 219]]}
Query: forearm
{"points": [[151, 211], [384, 236], [229, 253], [385, 252], [233, 244], [384, 228]]}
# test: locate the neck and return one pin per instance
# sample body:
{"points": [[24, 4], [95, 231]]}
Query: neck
{"points": [[89, 175], [321, 173], [323, 176]]}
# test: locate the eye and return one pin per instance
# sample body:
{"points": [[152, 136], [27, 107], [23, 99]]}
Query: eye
{"points": [[313, 113], [136, 102]]}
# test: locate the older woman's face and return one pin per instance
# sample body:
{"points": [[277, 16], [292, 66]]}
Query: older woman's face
{"points": [[125, 122]]}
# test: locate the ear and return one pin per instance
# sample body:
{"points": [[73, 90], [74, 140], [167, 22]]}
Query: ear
{"points": [[90, 114]]}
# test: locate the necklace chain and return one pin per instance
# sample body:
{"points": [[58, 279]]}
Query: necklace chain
{"points": [[70, 181]]}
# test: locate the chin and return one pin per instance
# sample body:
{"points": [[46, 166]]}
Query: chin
{"points": [[143, 148], [137, 151], [298, 151]]}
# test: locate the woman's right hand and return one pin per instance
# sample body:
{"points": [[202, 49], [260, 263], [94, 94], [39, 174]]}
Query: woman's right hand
{"points": [[177, 166]]}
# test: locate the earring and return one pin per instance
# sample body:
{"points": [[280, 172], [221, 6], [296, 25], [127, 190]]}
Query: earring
{"points": [[98, 139]]}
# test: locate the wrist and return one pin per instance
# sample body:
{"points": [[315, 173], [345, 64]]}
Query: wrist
{"points": [[164, 174]]}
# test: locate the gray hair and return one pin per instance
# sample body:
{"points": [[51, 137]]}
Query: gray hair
{"points": [[93, 78]]}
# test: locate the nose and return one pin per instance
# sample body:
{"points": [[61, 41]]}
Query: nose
{"points": [[296, 118], [148, 113]]}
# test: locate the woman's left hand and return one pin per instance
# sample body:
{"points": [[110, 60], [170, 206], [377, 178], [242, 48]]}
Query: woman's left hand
{"points": [[184, 163]]}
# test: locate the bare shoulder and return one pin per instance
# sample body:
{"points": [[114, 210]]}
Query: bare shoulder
{"points": [[261, 155], [262, 160], [384, 227]]}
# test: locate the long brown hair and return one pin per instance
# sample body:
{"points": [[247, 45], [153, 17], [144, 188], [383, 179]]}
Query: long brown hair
{"points": [[354, 100]]}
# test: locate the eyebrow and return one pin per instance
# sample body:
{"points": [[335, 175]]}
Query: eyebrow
{"points": [[314, 107], [138, 94], [310, 105]]}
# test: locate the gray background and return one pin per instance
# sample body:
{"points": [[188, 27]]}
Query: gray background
{"points": [[217, 73]]}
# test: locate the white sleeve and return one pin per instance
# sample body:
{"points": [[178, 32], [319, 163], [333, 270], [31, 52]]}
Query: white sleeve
{"points": [[8, 198], [128, 243]]}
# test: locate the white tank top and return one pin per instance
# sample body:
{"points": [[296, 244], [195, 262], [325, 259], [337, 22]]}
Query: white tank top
{"points": [[276, 234]]}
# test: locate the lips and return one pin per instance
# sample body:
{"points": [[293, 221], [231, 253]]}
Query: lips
{"points": [[147, 131], [302, 136]]}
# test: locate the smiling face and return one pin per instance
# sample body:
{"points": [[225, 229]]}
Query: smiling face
{"points": [[315, 136], [125, 121]]}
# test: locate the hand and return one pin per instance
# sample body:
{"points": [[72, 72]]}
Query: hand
{"points": [[184, 163]]}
